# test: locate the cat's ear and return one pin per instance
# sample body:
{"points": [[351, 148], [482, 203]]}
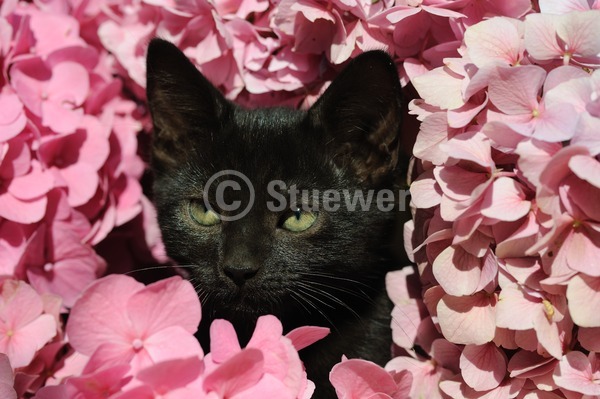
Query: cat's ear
{"points": [[186, 108], [361, 113]]}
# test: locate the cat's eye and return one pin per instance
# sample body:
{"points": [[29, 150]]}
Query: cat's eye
{"points": [[201, 215], [299, 221]]}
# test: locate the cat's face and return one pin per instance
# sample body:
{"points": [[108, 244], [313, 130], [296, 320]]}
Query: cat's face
{"points": [[293, 264]]}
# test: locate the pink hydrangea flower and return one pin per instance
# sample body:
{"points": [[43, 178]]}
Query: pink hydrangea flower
{"points": [[24, 326], [358, 378], [280, 367], [142, 325]]}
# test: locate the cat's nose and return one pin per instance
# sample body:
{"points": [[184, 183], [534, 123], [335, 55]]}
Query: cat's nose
{"points": [[240, 274]]}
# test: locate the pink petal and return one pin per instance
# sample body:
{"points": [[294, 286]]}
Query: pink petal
{"points": [[83, 183], [12, 116], [482, 366], [586, 135], [19, 303], [579, 32], [505, 200], [474, 147], [589, 338], [22, 211], [358, 378], [583, 294], [524, 364], [26, 341], [406, 319], [239, 373], [433, 131], [223, 341], [586, 168], [513, 300], [461, 117], [425, 192], [534, 155], [100, 316], [458, 183], [457, 271], [69, 83], [496, 40], [302, 337], [166, 303], [575, 373], [32, 185], [540, 36], [440, 87], [515, 90], [6, 371], [520, 240], [547, 333], [60, 118], [468, 319], [556, 123], [171, 374], [582, 250], [446, 354], [563, 6]]}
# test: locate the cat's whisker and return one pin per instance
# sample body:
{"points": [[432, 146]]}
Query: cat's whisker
{"points": [[303, 296], [334, 277], [331, 297], [358, 294], [294, 296]]}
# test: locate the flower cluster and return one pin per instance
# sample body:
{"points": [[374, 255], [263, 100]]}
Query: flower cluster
{"points": [[128, 340], [505, 232], [69, 169], [506, 229]]}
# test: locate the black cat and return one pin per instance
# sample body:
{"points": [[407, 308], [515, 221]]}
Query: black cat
{"points": [[307, 267]]}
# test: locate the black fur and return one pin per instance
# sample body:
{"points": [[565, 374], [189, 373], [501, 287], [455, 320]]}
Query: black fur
{"points": [[329, 275]]}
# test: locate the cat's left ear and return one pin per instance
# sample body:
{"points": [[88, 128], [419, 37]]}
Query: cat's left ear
{"points": [[361, 113], [186, 108]]}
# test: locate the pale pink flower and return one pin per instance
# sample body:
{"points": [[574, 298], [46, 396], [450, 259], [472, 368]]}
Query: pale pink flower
{"points": [[58, 262], [54, 92], [539, 311], [515, 92], [358, 378], [571, 37], [24, 327], [572, 241], [280, 368], [579, 373], [427, 373], [563, 7], [142, 325]]}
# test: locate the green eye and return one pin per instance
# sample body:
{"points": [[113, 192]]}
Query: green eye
{"points": [[300, 221], [201, 215]]}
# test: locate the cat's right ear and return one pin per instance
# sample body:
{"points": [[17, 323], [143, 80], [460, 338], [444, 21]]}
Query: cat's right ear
{"points": [[186, 108]]}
